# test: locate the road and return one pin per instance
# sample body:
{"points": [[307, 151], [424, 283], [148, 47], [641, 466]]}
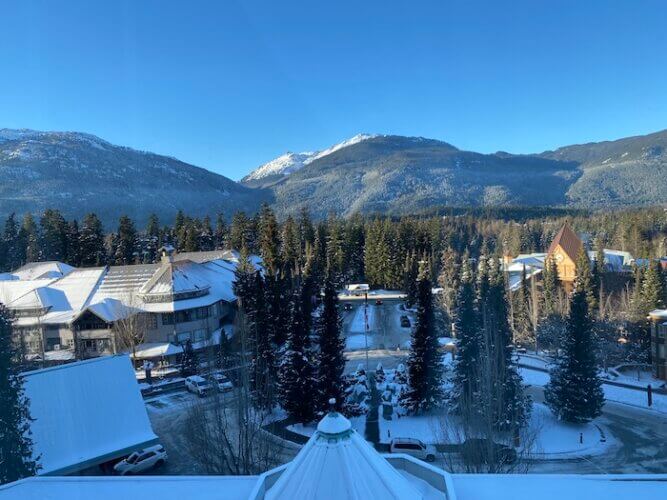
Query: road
{"points": [[388, 342], [641, 443]]}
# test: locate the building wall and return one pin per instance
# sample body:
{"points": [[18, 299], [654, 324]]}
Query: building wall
{"points": [[94, 341], [565, 266], [659, 349]]}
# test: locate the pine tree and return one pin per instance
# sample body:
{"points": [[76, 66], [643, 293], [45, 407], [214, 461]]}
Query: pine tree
{"points": [[269, 241], [263, 370], [503, 387], [410, 275], [354, 249], [152, 239], [189, 361], [550, 287], [126, 242], [574, 392], [425, 361], [16, 454], [13, 253], [297, 391], [53, 235], [330, 360], [92, 241], [448, 281], [587, 281], [73, 244], [244, 282], [468, 349], [221, 233], [335, 254], [523, 326], [206, 240], [30, 239], [290, 247]]}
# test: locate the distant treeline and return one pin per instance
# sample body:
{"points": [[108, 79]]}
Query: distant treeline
{"points": [[373, 248]]}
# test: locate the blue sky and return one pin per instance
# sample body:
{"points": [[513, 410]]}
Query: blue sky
{"points": [[229, 85]]}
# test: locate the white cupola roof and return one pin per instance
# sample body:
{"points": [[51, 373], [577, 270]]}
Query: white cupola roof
{"points": [[337, 462]]}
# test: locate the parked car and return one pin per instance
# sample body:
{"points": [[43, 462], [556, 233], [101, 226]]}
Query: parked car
{"points": [[413, 447], [405, 321], [197, 385], [220, 382], [347, 306], [477, 450], [378, 302], [142, 460]]}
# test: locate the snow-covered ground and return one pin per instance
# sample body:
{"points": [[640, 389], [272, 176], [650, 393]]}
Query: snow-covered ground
{"points": [[356, 342], [358, 424], [551, 438], [556, 439], [622, 395]]}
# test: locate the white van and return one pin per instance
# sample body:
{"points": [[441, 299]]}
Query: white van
{"points": [[198, 385], [414, 448]]}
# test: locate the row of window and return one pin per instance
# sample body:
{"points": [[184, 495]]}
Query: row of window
{"points": [[195, 336], [191, 314]]}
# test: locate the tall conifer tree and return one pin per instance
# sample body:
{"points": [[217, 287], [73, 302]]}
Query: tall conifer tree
{"points": [[16, 455], [574, 392], [425, 361]]}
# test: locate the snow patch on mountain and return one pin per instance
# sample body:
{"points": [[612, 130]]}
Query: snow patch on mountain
{"points": [[291, 162]]}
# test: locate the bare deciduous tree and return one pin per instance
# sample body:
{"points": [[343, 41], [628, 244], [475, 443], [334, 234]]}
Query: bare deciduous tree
{"points": [[226, 435], [129, 330]]}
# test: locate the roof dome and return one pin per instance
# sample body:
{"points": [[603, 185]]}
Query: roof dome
{"points": [[333, 424], [337, 462]]}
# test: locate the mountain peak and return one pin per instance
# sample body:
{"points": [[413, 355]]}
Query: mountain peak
{"points": [[291, 162]]}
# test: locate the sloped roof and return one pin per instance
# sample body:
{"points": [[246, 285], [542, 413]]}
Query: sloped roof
{"points": [[337, 462], [43, 270], [568, 241], [86, 413], [174, 278]]}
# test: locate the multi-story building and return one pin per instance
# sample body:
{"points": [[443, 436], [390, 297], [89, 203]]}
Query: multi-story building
{"points": [[659, 342], [65, 313]]}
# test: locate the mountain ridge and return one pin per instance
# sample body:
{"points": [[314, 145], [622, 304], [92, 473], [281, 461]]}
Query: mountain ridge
{"points": [[79, 173], [368, 173]]}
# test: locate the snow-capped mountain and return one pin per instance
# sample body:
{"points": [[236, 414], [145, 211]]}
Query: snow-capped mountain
{"points": [[79, 173], [291, 162]]}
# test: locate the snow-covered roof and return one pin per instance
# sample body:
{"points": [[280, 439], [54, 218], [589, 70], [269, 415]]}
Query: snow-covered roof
{"points": [[131, 487], [39, 270], [614, 260], [337, 462], [86, 413], [557, 486], [150, 350], [115, 292]]}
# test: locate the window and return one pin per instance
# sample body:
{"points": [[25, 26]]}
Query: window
{"points": [[150, 320], [167, 318], [661, 351]]}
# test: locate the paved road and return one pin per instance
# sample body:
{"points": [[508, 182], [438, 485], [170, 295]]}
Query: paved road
{"points": [[641, 443], [385, 331]]}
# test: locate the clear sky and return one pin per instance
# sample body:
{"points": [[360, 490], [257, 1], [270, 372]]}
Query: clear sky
{"points": [[229, 85]]}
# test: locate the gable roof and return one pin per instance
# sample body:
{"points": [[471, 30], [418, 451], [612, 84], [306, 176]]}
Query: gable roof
{"points": [[86, 413], [568, 241]]}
